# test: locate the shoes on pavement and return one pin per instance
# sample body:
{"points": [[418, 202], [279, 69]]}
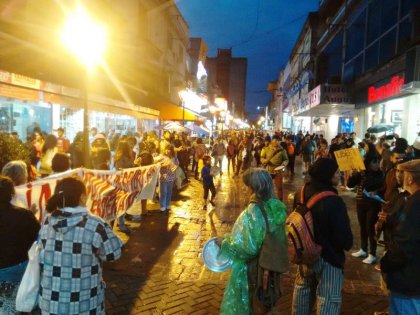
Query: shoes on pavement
{"points": [[124, 229], [370, 259], [162, 209], [380, 243], [359, 253], [135, 218]]}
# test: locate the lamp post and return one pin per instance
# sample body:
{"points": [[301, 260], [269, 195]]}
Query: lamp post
{"points": [[86, 40]]}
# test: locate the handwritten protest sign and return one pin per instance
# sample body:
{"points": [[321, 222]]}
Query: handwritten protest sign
{"points": [[110, 193], [349, 159]]}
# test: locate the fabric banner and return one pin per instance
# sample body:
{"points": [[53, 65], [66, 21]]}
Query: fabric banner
{"points": [[110, 193], [349, 159]]}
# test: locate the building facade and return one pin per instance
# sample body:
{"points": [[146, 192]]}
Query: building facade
{"points": [[144, 67], [367, 67], [299, 78], [227, 78]]}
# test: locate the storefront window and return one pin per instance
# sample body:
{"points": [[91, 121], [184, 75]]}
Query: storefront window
{"points": [[71, 120], [23, 116], [387, 49], [389, 14], [371, 57], [356, 36], [345, 124], [106, 122], [333, 58], [404, 34], [353, 69], [374, 21], [407, 5]]}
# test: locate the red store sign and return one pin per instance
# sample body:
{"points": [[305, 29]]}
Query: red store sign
{"points": [[388, 90]]}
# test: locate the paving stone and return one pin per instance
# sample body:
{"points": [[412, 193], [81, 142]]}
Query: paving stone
{"points": [[171, 278]]}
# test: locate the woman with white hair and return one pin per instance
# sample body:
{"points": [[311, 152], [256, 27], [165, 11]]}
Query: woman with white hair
{"points": [[17, 171], [245, 241]]}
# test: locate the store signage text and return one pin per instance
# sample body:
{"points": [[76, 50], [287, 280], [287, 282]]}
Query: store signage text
{"points": [[322, 94], [388, 90], [314, 96]]}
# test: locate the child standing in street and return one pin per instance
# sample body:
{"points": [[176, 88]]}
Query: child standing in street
{"points": [[208, 184]]}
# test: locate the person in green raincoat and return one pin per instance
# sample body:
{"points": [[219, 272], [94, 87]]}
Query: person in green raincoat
{"points": [[245, 241]]}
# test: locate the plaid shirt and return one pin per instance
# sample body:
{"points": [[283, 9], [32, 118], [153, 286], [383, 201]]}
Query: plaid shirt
{"points": [[74, 244]]}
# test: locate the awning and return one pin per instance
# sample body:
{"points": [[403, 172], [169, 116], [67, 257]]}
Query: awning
{"points": [[170, 111], [326, 110], [324, 101]]}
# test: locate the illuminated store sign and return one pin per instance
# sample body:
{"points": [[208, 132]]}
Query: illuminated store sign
{"points": [[387, 90]]}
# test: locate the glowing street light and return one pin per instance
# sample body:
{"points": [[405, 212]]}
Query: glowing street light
{"points": [[86, 40]]}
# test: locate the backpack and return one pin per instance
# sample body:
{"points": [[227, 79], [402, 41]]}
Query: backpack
{"points": [[300, 230], [290, 149], [264, 270]]}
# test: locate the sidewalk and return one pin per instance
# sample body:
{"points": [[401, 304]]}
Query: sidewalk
{"points": [[161, 271]]}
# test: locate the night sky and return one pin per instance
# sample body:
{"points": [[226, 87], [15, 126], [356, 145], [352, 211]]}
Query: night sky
{"points": [[264, 31]]}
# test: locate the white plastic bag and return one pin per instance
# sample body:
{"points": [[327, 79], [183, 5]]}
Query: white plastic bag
{"points": [[27, 295], [214, 171]]}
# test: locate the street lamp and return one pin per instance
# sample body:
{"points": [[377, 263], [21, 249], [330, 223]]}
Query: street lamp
{"points": [[86, 40]]}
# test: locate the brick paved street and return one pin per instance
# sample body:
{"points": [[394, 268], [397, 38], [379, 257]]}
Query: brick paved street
{"points": [[161, 271]]}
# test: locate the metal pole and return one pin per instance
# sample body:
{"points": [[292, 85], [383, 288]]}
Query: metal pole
{"points": [[86, 144]]}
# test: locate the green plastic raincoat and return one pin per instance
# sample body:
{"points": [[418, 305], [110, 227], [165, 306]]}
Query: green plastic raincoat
{"points": [[243, 244]]}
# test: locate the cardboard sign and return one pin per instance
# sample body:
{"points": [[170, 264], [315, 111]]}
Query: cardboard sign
{"points": [[349, 159]]}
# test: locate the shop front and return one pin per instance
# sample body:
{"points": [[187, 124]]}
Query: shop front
{"points": [[327, 109], [391, 101], [27, 103]]}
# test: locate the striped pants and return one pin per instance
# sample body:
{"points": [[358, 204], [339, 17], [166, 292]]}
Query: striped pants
{"points": [[320, 283]]}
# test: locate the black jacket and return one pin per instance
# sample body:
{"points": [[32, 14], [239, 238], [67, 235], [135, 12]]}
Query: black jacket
{"points": [[331, 224], [401, 263], [18, 230]]}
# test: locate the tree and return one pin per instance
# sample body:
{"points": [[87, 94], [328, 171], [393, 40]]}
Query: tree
{"points": [[11, 150]]}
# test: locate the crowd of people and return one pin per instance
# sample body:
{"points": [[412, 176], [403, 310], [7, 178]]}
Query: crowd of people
{"points": [[74, 243]]}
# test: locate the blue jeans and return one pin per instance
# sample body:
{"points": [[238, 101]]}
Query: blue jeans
{"points": [[165, 194], [402, 305], [13, 273]]}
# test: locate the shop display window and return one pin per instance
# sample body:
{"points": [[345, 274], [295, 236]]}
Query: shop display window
{"points": [[372, 56], [387, 46], [374, 21], [72, 121], [404, 34], [23, 116], [346, 125], [356, 36], [389, 14], [407, 5]]}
